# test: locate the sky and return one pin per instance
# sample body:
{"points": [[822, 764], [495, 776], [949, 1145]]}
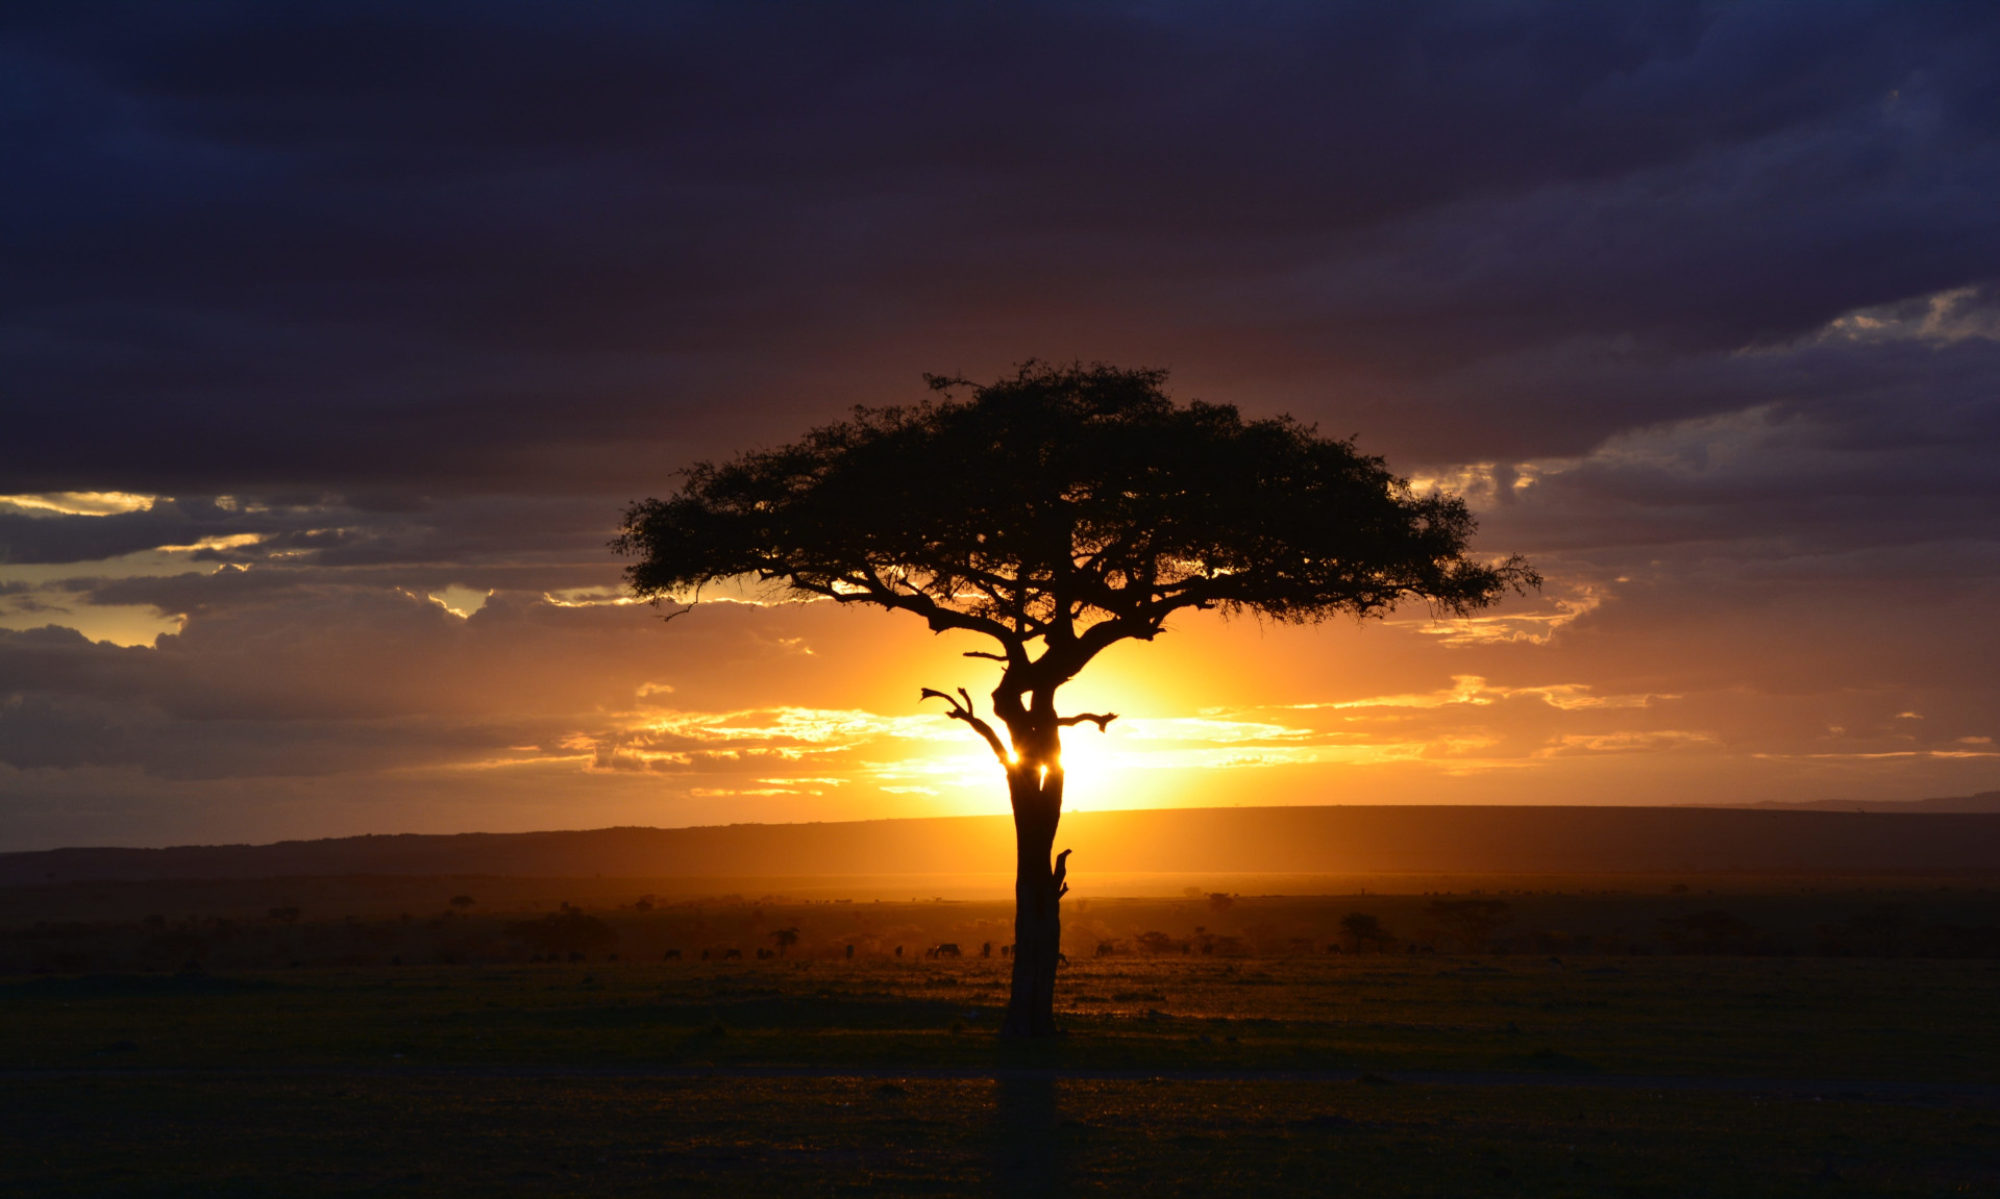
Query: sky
{"points": [[338, 336]]}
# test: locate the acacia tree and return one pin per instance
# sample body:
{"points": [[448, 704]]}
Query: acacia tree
{"points": [[1055, 513]]}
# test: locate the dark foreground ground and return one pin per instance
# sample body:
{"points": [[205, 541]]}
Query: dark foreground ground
{"points": [[1446, 1074]]}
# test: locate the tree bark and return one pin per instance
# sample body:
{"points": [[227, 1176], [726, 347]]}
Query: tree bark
{"points": [[1036, 792]]}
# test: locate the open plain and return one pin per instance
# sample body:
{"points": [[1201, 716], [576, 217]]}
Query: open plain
{"points": [[1827, 1037]]}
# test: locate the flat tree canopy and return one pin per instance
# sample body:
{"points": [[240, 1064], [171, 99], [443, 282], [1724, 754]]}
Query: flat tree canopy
{"points": [[1057, 512], [1066, 508]]}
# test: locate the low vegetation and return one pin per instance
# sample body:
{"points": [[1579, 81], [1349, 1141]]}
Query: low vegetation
{"points": [[85, 928], [1658, 1050]]}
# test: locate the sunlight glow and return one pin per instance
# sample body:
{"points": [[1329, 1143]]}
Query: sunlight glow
{"points": [[460, 601], [232, 541], [80, 503], [1531, 628], [1474, 691], [588, 597]]}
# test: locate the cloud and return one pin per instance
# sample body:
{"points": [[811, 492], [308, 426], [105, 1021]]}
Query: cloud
{"points": [[1649, 741], [76, 503], [1534, 627], [315, 661], [314, 454], [1473, 691], [472, 247], [1941, 319], [37, 530]]}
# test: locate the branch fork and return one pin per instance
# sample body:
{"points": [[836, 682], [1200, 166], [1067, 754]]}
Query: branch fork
{"points": [[961, 709]]}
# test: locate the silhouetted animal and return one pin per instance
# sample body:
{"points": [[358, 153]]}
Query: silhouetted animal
{"points": [[671, 955], [731, 953], [948, 949]]}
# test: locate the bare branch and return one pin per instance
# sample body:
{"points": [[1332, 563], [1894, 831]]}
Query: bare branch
{"points": [[961, 709], [980, 653], [1088, 717], [938, 616]]}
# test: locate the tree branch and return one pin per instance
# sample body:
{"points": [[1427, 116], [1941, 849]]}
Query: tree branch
{"points": [[936, 615], [994, 587], [1089, 717], [961, 709]]}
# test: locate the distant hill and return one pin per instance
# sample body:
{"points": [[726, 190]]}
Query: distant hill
{"points": [[1985, 801], [1300, 840]]}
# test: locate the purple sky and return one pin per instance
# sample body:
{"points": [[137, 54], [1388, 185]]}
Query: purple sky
{"points": [[324, 324]]}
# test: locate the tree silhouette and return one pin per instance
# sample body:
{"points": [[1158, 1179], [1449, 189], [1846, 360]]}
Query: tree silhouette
{"points": [[786, 938], [1364, 930], [1055, 513]]}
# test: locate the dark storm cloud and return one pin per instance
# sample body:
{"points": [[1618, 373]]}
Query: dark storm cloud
{"points": [[53, 539], [289, 677], [267, 659], [381, 300], [192, 592], [536, 248], [1883, 446], [60, 660], [43, 732], [481, 543]]}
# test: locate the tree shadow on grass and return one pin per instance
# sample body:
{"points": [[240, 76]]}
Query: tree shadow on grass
{"points": [[1029, 1157]]}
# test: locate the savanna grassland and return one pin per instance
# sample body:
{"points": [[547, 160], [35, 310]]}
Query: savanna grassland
{"points": [[1817, 1037]]}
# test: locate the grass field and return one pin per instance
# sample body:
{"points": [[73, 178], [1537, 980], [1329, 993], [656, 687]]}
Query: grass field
{"points": [[1391, 1075]]}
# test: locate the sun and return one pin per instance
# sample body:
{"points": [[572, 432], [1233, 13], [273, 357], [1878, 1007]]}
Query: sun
{"points": [[1107, 769], [1099, 771]]}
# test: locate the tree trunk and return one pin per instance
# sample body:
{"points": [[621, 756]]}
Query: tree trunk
{"points": [[1036, 793]]}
